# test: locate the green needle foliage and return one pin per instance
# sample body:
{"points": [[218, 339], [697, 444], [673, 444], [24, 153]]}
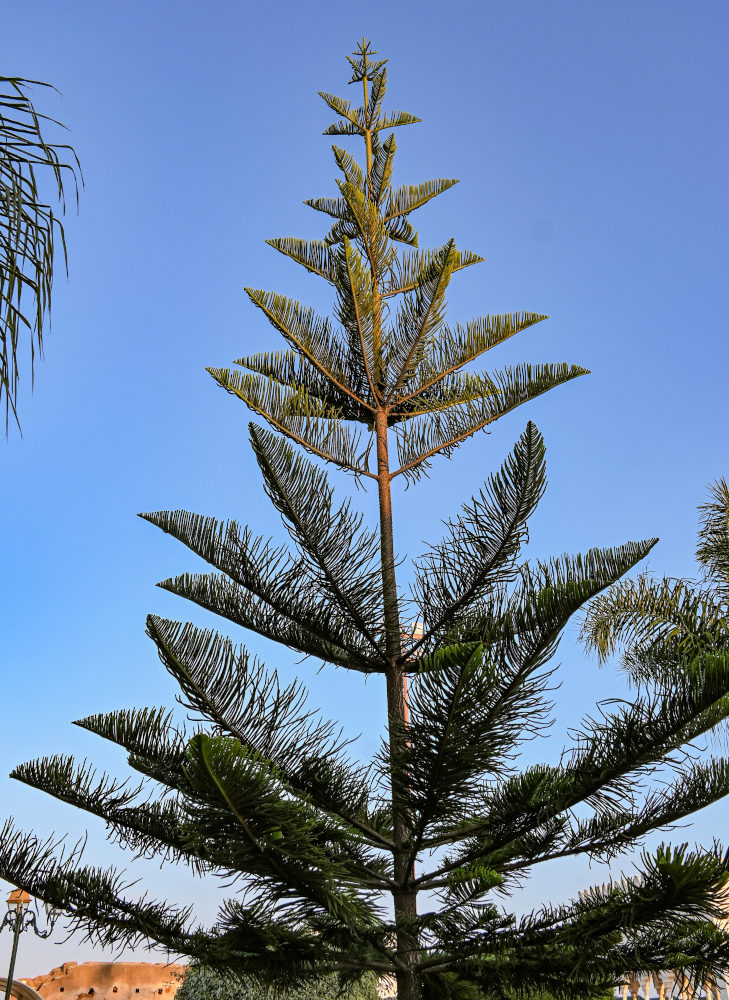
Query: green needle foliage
{"points": [[402, 866], [29, 229], [200, 983]]}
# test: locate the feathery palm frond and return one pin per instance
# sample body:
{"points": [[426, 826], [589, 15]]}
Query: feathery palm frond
{"points": [[29, 228], [712, 551], [660, 624]]}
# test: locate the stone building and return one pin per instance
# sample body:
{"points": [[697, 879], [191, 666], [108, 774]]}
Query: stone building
{"points": [[666, 985], [109, 981]]}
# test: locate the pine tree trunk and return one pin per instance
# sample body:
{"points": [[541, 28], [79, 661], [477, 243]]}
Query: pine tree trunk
{"points": [[405, 901]]}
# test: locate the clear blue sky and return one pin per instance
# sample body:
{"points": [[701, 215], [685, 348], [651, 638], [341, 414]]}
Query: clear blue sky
{"points": [[592, 146]]}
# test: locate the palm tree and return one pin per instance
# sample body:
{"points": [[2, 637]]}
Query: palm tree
{"points": [[661, 625], [29, 229]]}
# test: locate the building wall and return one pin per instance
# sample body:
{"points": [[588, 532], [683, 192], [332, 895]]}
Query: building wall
{"points": [[109, 981]]}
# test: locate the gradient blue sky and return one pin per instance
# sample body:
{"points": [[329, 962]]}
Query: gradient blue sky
{"points": [[592, 146]]}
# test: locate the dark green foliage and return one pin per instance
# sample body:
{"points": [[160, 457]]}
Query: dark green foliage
{"points": [[200, 983], [28, 228], [402, 866]]}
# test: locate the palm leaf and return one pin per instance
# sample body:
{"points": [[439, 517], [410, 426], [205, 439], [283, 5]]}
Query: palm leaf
{"points": [[713, 547], [655, 622], [29, 228]]}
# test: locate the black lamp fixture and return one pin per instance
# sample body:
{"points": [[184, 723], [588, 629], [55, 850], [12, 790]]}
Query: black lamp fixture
{"points": [[19, 918]]}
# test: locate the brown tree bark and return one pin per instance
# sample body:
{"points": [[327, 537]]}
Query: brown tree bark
{"points": [[405, 897]]}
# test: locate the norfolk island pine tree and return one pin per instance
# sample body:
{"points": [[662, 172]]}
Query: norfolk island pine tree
{"points": [[266, 794]]}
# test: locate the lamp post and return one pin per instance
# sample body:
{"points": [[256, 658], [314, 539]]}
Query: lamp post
{"points": [[19, 917]]}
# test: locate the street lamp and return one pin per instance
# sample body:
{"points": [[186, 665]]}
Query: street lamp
{"points": [[19, 917]]}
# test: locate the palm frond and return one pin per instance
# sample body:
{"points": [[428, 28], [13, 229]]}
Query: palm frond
{"points": [[712, 551], [654, 621], [29, 228]]}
